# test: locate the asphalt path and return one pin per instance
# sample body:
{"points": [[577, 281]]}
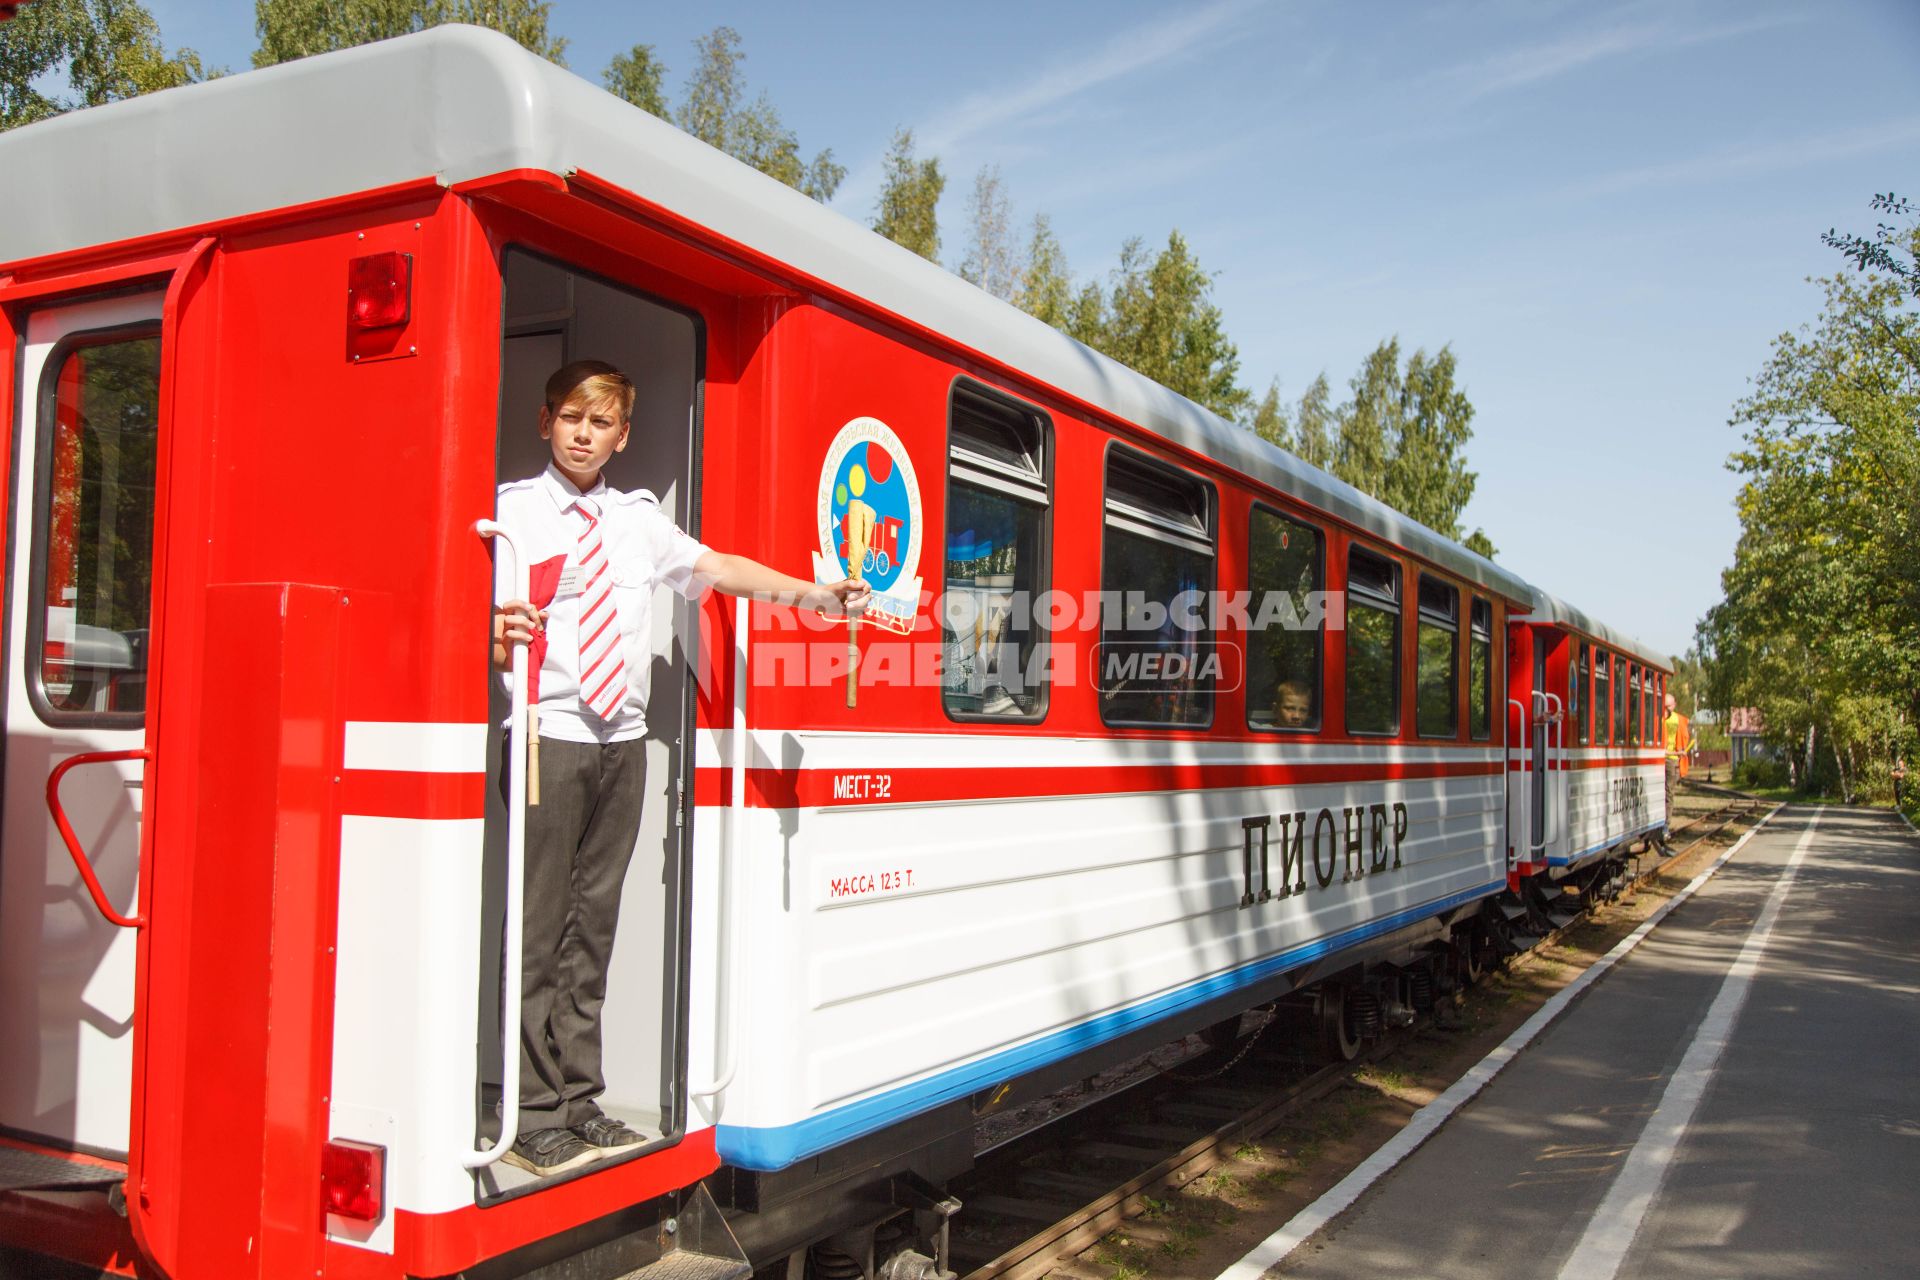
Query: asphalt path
{"points": [[1738, 1096]]}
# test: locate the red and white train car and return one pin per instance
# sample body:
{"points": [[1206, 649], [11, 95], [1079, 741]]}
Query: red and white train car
{"points": [[1586, 703], [1187, 726]]}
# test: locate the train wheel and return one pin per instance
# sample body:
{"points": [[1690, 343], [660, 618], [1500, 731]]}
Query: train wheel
{"points": [[1339, 1032], [1470, 958]]}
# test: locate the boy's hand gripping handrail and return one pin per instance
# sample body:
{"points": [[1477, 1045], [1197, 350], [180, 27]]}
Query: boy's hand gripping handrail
{"points": [[516, 873]]}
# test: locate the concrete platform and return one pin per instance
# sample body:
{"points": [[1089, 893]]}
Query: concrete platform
{"points": [[1674, 1123]]}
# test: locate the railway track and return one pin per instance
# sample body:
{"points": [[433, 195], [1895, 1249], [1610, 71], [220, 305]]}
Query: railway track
{"points": [[1049, 1193]]}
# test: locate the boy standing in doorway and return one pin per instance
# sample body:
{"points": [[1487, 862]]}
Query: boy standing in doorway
{"points": [[596, 556]]}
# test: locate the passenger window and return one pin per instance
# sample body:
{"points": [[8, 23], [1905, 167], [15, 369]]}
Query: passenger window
{"points": [[93, 577], [998, 475], [1480, 673], [1619, 700], [1156, 663], [1577, 704], [1285, 571], [1634, 706], [1602, 698], [1437, 682], [1373, 643]]}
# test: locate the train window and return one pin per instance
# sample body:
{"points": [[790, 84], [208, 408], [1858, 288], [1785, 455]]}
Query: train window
{"points": [[93, 578], [1436, 709], [1480, 673], [1156, 662], [1633, 703], [1602, 698], [1619, 701], [1373, 643], [1287, 559], [998, 473]]}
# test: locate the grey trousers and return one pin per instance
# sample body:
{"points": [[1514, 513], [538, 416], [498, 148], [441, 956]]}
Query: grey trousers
{"points": [[580, 838]]}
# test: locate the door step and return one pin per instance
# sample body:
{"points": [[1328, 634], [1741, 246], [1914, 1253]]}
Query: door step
{"points": [[22, 1170], [700, 1246]]}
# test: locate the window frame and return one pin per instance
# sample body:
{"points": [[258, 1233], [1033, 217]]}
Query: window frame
{"points": [[1422, 619], [1398, 578], [46, 408], [1620, 699], [1320, 633], [1172, 533], [1006, 485], [1580, 690], [1475, 604], [1602, 661]]}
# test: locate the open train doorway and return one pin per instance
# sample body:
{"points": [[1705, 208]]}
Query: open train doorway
{"points": [[79, 622], [554, 315]]}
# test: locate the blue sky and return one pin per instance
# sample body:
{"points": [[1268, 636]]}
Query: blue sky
{"points": [[1608, 209]]}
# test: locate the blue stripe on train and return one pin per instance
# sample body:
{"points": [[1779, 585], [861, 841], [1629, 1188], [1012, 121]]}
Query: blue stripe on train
{"points": [[776, 1148], [1602, 847]]}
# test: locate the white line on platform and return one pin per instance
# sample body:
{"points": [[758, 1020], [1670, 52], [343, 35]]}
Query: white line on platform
{"points": [[1428, 1119], [1611, 1230]]}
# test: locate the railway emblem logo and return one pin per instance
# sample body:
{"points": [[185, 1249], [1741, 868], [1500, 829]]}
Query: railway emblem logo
{"points": [[868, 514]]}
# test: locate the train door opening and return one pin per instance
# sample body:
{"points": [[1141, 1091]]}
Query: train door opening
{"points": [[79, 580], [554, 315]]}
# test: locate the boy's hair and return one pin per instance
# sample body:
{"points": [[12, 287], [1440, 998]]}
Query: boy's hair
{"points": [[594, 381]]}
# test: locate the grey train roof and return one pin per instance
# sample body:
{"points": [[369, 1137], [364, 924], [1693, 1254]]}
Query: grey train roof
{"points": [[458, 103], [1551, 609]]}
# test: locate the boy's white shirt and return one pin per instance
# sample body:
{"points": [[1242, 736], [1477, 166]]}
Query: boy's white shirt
{"points": [[644, 550]]}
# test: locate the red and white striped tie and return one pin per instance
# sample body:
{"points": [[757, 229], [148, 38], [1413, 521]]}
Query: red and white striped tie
{"points": [[603, 672]]}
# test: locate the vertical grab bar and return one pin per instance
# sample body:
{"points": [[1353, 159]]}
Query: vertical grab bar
{"points": [[732, 882], [1506, 765], [516, 874], [1537, 702], [1556, 747]]}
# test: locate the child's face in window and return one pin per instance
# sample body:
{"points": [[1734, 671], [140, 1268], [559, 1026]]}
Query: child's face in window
{"points": [[584, 437]]}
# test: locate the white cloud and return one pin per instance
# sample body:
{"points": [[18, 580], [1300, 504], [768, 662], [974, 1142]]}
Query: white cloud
{"points": [[1533, 64], [1066, 76], [1751, 160]]}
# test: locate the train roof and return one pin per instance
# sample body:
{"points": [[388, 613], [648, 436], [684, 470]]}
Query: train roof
{"points": [[1552, 609], [459, 103]]}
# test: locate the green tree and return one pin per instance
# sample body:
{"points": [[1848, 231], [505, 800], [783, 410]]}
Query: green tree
{"points": [[907, 211], [1160, 320], [635, 76], [1045, 290], [1402, 438], [107, 49], [1270, 419], [1820, 624], [992, 261], [1369, 423], [714, 109], [1315, 423], [290, 29]]}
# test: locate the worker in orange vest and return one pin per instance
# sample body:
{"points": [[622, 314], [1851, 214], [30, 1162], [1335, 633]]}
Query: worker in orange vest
{"points": [[1679, 740]]}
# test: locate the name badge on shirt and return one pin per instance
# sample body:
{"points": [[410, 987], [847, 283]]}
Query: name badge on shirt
{"points": [[570, 583]]}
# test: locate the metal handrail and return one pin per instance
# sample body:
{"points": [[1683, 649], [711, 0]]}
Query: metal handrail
{"points": [[1514, 704], [732, 883], [1556, 748], [1546, 807], [81, 862], [516, 873]]}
